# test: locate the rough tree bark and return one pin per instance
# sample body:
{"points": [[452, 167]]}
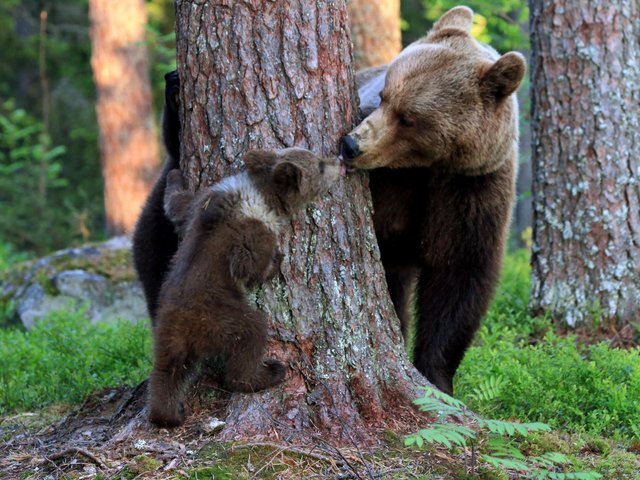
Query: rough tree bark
{"points": [[375, 31], [586, 157], [263, 74], [128, 142]]}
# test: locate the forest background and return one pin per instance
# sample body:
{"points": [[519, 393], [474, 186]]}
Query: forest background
{"points": [[52, 196], [49, 141]]}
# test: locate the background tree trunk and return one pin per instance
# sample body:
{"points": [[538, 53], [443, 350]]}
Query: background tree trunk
{"points": [[586, 157], [375, 31], [262, 74], [128, 143]]}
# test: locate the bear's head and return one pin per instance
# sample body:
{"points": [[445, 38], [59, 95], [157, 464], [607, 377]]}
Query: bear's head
{"points": [[290, 178], [447, 102]]}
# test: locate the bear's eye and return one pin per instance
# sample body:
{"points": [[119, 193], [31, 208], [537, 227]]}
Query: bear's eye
{"points": [[405, 121], [321, 168]]}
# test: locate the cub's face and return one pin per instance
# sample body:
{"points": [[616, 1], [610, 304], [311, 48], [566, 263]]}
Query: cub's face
{"points": [[293, 176], [445, 102], [304, 175]]}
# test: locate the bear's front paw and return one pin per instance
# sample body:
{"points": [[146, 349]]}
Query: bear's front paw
{"points": [[174, 179], [269, 373], [167, 416], [172, 90], [276, 371], [171, 79]]}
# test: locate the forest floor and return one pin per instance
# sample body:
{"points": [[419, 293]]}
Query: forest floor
{"points": [[55, 426], [108, 437]]}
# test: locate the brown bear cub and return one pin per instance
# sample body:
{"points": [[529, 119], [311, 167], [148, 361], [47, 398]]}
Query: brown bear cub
{"points": [[229, 242], [154, 238], [441, 141]]}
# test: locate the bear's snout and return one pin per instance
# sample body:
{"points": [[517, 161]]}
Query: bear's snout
{"points": [[349, 149]]}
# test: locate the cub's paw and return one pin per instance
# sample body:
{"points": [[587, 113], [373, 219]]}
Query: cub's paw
{"points": [[275, 371], [174, 179], [166, 416], [269, 373], [171, 90]]}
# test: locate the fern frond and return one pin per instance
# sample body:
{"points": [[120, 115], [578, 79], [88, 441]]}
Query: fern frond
{"points": [[447, 435], [546, 474], [502, 447], [510, 463], [550, 459], [439, 395], [488, 390], [504, 427]]}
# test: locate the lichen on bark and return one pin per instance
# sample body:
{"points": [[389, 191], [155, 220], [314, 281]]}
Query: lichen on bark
{"points": [[586, 155]]}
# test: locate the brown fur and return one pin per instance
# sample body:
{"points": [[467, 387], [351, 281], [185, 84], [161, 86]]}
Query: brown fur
{"points": [[229, 243], [442, 147], [154, 238]]}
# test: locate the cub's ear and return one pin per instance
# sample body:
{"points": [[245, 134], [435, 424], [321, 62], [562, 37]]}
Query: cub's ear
{"points": [[287, 177], [256, 160], [458, 18], [504, 77]]}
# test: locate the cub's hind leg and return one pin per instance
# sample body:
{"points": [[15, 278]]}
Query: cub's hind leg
{"points": [[245, 341], [172, 362]]}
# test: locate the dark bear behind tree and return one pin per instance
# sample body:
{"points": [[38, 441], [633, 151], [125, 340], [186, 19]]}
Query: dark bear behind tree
{"points": [[154, 239], [229, 243], [441, 141]]}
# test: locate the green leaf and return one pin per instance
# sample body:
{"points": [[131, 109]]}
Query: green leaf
{"points": [[536, 427], [509, 463]]}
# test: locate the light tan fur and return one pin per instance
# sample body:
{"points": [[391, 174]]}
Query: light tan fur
{"points": [[438, 105]]}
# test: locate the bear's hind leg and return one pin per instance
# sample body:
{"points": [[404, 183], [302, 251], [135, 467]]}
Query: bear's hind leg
{"points": [[450, 304], [245, 343], [166, 383], [402, 283]]}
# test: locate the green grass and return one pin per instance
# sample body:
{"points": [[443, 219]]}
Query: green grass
{"points": [[9, 256], [64, 358], [544, 377]]}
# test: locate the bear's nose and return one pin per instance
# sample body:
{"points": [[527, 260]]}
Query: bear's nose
{"points": [[349, 148]]}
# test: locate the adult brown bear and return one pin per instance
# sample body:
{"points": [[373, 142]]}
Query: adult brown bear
{"points": [[441, 141]]}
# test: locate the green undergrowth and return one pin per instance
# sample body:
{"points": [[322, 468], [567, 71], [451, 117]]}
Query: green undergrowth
{"points": [[64, 358], [519, 368], [540, 376]]}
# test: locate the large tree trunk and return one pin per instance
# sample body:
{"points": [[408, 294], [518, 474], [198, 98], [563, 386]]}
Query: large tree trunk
{"points": [[263, 74], [128, 143], [375, 31], [586, 157]]}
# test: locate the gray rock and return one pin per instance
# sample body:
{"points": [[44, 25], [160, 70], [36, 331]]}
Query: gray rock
{"points": [[97, 278]]}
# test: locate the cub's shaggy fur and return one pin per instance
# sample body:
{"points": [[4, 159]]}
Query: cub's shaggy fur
{"points": [[441, 141], [229, 243]]}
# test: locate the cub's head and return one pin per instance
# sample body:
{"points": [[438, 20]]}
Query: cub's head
{"points": [[290, 178], [447, 101]]}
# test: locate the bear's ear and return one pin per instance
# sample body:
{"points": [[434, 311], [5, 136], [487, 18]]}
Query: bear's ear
{"points": [[458, 18], [256, 160], [504, 76], [287, 177]]}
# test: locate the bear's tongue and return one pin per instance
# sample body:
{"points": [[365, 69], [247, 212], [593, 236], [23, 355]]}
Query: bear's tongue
{"points": [[344, 169]]}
